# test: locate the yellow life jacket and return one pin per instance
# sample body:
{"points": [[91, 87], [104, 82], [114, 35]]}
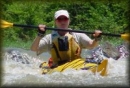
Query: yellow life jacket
{"points": [[64, 49]]}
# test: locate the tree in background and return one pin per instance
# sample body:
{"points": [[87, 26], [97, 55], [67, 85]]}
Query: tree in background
{"points": [[109, 16]]}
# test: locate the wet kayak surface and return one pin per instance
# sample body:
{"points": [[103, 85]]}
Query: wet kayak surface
{"points": [[21, 68]]}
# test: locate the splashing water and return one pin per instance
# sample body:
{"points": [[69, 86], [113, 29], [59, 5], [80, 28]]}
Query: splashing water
{"points": [[21, 68]]}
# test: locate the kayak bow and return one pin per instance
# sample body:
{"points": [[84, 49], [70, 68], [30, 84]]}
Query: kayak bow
{"points": [[78, 64]]}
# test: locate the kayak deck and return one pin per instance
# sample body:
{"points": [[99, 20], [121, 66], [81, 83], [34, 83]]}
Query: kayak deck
{"points": [[78, 64]]}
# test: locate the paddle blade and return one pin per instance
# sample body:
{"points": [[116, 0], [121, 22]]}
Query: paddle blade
{"points": [[5, 24], [101, 68], [126, 36]]}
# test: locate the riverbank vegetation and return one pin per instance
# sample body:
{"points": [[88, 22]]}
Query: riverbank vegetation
{"points": [[110, 16]]}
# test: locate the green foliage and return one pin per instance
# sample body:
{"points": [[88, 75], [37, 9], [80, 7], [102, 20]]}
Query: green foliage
{"points": [[110, 16]]}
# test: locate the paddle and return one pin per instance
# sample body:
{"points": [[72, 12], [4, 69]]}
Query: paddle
{"points": [[6, 24]]}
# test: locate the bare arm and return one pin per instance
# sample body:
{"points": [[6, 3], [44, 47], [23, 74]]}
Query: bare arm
{"points": [[86, 42], [41, 31], [92, 44], [35, 44], [95, 42]]}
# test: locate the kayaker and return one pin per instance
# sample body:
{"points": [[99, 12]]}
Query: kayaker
{"points": [[63, 46]]}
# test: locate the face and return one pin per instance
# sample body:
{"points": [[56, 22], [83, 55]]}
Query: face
{"points": [[62, 22]]}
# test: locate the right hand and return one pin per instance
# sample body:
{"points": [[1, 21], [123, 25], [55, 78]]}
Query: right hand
{"points": [[41, 29]]}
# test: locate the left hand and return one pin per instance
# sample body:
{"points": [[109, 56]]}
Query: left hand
{"points": [[97, 33]]}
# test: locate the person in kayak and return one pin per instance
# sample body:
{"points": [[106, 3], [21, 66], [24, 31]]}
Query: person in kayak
{"points": [[63, 46]]}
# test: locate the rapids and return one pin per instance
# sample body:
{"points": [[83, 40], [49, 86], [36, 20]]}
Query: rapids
{"points": [[20, 67]]}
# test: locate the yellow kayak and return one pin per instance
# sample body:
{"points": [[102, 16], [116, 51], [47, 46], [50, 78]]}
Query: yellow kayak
{"points": [[78, 64]]}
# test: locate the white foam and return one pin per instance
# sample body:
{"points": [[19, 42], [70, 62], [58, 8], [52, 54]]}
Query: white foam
{"points": [[15, 73]]}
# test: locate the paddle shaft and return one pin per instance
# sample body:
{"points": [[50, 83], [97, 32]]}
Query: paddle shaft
{"points": [[59, 29]]}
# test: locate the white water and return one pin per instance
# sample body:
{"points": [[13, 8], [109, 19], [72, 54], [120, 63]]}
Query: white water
{"points": [[24, 75]]}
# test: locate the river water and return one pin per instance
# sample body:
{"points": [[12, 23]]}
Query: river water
{"points": [[28, 74]]}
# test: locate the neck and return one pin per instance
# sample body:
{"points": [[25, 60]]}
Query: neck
{"points": [[61, 33]]}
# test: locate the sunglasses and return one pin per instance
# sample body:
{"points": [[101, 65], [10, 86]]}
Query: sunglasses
{"points": [[62, 19]]}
